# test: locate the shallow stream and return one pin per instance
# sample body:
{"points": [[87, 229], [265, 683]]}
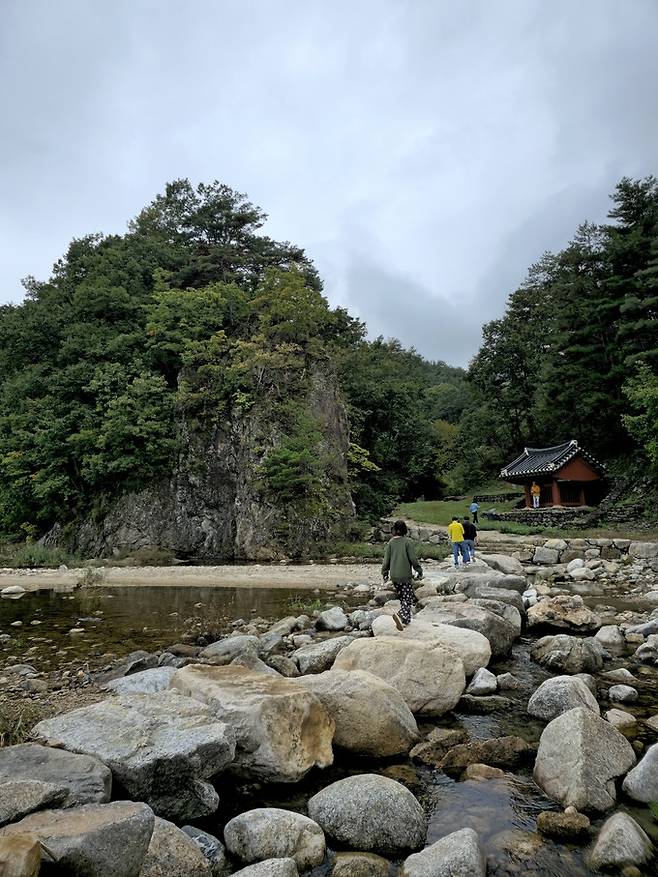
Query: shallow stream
{"points": [[502, 811]]}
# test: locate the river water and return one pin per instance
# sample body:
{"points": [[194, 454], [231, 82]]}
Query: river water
{"points": [[502, 811]]}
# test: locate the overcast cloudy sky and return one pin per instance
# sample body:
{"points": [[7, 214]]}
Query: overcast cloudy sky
{"points": [[423, 152]]}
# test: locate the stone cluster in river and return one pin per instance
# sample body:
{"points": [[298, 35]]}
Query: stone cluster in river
{"points": [[179, 730]]}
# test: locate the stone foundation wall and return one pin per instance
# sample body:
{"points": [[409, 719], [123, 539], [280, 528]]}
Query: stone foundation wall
{"points": [[497, 497], [554, 551], [548, 517]]}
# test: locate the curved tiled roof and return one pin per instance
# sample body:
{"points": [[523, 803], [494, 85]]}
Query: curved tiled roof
{"points": [[546, 461]]}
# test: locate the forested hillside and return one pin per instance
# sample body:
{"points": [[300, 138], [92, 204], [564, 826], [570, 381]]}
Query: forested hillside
{"points": [[196, 359], [576, 352], [195, 335]]}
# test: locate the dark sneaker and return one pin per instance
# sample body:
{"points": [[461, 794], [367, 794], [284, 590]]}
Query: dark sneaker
{"points": [[398, 623]]}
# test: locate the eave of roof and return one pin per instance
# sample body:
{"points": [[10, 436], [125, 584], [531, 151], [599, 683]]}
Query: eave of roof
{"points": [[546, 461]]}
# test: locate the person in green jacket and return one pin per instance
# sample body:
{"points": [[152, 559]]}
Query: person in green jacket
{"points": [[399, 560]]}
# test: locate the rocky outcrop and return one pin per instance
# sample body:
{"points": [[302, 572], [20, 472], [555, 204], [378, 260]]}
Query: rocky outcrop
{"points": [[163, 748], [97, 840], [370, 813], [472, 647], [579, 758], [270, 833], [371, 717], [429, 677], [213, 504], [281, 730]]}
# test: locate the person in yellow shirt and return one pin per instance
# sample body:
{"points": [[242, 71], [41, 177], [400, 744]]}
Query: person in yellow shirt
{"points": [[456, 536], [535, 492]]}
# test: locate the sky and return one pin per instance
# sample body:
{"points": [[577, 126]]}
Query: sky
{"points": [[424, 152]]}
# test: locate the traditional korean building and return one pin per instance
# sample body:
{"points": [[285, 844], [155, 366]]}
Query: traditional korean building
{"points": [[567, 475]]}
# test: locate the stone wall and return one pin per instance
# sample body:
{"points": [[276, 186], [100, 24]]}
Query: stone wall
{"points": [[548, 517], [554, 551], [498, 497]]}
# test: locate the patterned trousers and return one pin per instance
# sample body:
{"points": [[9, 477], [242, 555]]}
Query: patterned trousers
{"points": [[405, 594]]}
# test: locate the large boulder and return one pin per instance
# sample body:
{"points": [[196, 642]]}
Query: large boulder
{"points": [[270, 868], [611, 638], [319, 656], [171, 851], [371, 717], [621, 842], [579, 758], [146, 682], [429, 677], [456, 855], [270, 833], [370, 813], [97, 840], [472, 647], [163, 748], [281, 730], [84, 780], [503, 563], [641, 783], [18, 798], [560, 694], [568, 654], [564, 611], [500, 632], [504, 595], [332, 619]]}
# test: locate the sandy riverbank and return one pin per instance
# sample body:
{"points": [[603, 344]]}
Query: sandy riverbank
{"points": [[303, 576]]}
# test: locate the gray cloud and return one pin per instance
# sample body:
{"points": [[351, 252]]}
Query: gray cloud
{"points": [[424, 153]]}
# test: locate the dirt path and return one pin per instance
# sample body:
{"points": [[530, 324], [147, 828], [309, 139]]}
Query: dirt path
{"points": [[309, 576]]}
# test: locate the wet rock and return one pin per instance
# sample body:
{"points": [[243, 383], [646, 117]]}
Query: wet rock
{"points": [[560, 694], [85, 780], [483, 704], [621, 841], [162, 748], [563, 611], [439, 741], [226, 650], [483, 682], [641, 783], [370, 813], [20, 856], [518, 845], [508, 752], [270, 868], [360, 865], [620, 719], [87, 839], [271, 833], [429, 677], [371, 716], [508, 682], [456, 855], [564, 827], [171, 851], [500, 631], [18, 798], [284, 666], [647, 653], [145, 682], [568, 654], [622, 694], [472, 647], [320, 656], [483, 772], [579, 758], [212, 849], [281, 730], [611, 638], [332, 619]]}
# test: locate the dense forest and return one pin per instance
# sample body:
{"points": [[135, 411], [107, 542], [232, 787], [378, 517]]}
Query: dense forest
{"points": [[194, 313]]}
